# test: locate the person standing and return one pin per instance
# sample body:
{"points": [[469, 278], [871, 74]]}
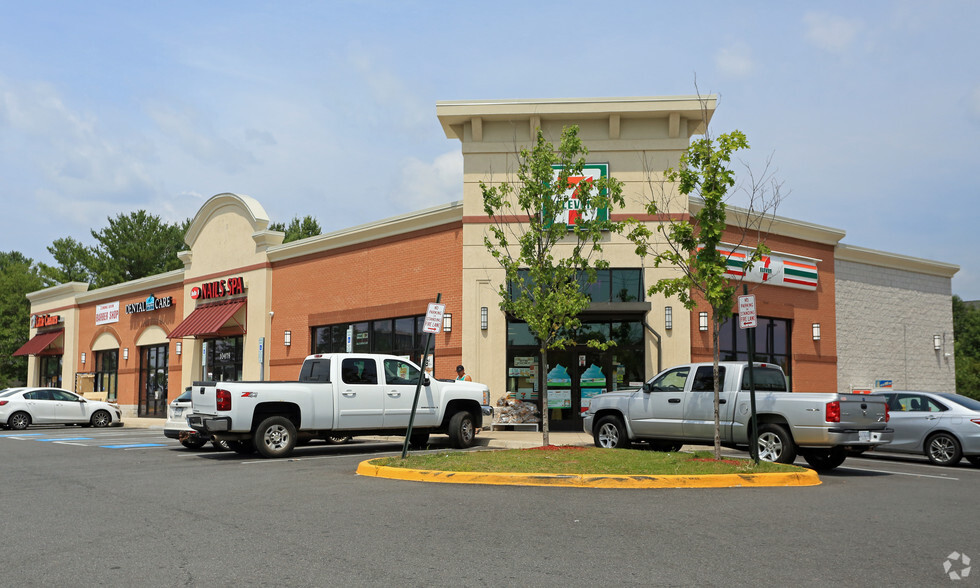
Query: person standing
{"points": [[461, 375]]}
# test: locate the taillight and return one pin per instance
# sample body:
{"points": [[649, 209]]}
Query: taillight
{"points": [[975, 421], [224, 399], [3, 402], [833, 412], [888, 413]]}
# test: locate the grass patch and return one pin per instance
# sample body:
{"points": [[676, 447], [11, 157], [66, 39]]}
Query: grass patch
{"points": [[583, 460]]}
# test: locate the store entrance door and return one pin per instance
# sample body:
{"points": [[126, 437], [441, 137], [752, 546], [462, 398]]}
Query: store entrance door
{"points": [[575, 376]]}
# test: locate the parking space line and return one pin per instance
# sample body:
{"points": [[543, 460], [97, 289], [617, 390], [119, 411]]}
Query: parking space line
{"points": [[60, 439], [132, 445], [897, 473], [18, 435]]}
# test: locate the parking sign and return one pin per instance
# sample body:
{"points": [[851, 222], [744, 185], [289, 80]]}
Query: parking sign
{"points": [[747, 317]]}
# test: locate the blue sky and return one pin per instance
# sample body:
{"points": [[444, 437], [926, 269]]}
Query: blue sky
{"points": [[870, 110]]}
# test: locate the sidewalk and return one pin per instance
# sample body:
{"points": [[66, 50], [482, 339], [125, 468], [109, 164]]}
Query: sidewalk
{"points": [[493, 439]]}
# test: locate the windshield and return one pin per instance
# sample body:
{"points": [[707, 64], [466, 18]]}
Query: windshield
{"points": [[185, 397], [964, 401]]}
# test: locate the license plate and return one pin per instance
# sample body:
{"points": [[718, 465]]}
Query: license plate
{"points": [[864, 436], [177, 411]]}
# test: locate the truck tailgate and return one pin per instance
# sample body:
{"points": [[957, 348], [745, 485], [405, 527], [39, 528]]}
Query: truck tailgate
{"points": [[862, 412], [203, 398]]}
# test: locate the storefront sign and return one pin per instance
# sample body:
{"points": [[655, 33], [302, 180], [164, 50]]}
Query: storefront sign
{"points": [[44, 320], [573, 212], [777, 269], [219, 288], [151, 303], [107, 313]]}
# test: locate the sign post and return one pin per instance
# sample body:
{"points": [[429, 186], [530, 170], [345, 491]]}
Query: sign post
{"points": [[749, 319], [432, 324]]}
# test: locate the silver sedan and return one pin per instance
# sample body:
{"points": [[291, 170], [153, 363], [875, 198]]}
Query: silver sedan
{"points": [[943, 427], [23, 407]]}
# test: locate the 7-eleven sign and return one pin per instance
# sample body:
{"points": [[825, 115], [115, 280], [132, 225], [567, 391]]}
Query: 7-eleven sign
{"points": [[573, 212]]}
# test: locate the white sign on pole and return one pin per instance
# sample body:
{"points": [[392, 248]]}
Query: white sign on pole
{"points": [[747, 317], [433, 318]]}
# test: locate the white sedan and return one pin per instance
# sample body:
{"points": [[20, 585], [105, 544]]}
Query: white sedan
{"points": [[23, 407]]}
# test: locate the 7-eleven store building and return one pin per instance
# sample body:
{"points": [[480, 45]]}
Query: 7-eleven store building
{"points": [[247, 306]]}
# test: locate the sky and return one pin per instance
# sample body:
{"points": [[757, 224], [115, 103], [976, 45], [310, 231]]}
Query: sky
{"points": [[869, 111]]}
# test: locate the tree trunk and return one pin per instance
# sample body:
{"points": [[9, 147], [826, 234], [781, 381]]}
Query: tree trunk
{"points": [[544, 397], [716, 327]]}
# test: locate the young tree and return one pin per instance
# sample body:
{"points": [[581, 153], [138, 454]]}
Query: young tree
{"points": [[694, 244], [135, 246], [298, 229], [966, 334], [546, 262]]}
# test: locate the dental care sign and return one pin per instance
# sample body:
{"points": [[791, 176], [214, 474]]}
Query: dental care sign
{"points": [[777, 269], [573, 212]]}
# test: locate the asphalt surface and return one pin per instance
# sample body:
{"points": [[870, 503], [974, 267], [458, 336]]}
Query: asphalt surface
{"points": [[127, 507]]}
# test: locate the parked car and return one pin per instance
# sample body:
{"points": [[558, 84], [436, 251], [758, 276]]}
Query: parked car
{"points": [[176, 426], [23, 407], [943, 427]]}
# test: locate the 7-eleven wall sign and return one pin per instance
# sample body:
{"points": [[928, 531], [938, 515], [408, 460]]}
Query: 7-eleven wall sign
{"points": [[778, 269], [573, 212]]}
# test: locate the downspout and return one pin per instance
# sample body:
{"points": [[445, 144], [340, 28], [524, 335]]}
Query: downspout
{"points": [[660, 351]]}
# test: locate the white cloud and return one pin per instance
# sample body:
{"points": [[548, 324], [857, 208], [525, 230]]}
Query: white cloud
{"points": [[425, 184], [198, 137], [831, 33], [735, 61]]}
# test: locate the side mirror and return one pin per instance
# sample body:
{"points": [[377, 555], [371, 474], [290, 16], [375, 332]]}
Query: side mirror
{"points": [[425, 381], [647, 387]]}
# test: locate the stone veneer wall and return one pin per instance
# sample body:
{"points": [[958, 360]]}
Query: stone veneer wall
{"points": [[886, 320]]}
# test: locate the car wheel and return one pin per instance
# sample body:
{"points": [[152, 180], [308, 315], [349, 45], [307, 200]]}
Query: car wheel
{"points": [[220, 445], [193, 442], [19, 421], [824, 460], [275, 437], [419, 440], [245, 447], [974, 459], [775, 444], [943, 449], [462, 430], [339, 439], [610, 433], [101, 419]]}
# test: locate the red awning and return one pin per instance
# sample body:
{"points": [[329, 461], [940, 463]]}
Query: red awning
{"points": [[36, 345], [206, 319]]}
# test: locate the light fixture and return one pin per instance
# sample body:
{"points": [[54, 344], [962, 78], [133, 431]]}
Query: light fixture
{"points": [[816, 331], [178, 347], [703, 321], [126, 353], [288, 338], [83, 358], [937, 342], [668, 318], [484, 318], [447, 322]]}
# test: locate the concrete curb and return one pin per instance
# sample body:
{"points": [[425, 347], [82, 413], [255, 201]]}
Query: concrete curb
{"points": [[807, 478]]}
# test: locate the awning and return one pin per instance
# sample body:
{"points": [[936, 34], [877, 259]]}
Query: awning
{"points": [[37, 344], [206, 319]]}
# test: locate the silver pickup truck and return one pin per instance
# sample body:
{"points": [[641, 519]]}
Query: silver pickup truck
{"points": [[677, 406]]}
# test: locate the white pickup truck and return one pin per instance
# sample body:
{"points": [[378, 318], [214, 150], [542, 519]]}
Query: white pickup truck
{"points": [[337, 394], [677, 406]]}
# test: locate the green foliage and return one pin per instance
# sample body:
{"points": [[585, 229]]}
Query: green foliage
{"points": [[74, 262], [298, 229], [135, 246], [966, 334], [19, 277], [703, 173], [548, 296]]}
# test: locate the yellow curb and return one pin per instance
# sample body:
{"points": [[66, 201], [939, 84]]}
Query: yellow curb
{"points": [[807, 478]]}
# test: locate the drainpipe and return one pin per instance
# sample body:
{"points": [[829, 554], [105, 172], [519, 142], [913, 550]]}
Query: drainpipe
{"points": [[660, 351]]}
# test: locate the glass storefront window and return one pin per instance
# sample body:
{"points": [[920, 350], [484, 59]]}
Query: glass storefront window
{"points": [[107, 373], [611, 285], [772, 342], [224, 358], [153, 380], [382, 342], [399, 336], [51, 371]]}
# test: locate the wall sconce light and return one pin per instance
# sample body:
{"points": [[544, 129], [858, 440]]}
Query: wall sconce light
{"points": [[83, 358], [668, 318], [937, 342], [484, 318], [126, 353], [178, 347], [447, 322], [816, 331], [287, 338], [703, 321]]}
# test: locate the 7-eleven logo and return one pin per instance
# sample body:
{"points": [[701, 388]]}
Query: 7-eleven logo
{"points": [[572, 212]]}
